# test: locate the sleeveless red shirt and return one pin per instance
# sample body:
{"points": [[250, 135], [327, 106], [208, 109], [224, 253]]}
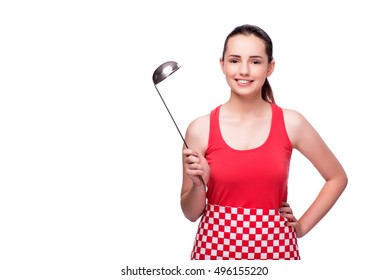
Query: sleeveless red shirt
{"points": [[254, 178]]}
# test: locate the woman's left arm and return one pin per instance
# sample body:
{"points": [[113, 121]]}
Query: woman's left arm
{"points": [[305, 139]]}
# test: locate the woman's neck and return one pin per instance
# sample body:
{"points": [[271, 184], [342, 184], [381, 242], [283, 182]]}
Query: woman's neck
{"points": [[245, 106]]}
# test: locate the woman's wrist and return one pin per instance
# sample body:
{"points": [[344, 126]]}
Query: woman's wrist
{"points": [[200, 188]]}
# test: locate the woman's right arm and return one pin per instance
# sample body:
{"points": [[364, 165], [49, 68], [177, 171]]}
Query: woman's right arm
{"points": [[193, 193]]}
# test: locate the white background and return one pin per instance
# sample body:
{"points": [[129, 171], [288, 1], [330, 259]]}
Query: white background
{"points": [[90, 162]]}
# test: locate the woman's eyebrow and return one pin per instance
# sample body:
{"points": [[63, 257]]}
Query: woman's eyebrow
{"points": [[251, 56]]}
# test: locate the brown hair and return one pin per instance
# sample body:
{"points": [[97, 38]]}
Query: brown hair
{"points": [[247, 29]]}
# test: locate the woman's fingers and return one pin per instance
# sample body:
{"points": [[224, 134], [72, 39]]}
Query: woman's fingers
{"points": [[290, 217], [285, 204], [188, 152], [192, 159], [287, 212], [196, 166], [192, 162]]}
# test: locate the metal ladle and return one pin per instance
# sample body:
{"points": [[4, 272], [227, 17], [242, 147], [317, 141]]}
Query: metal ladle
{"points": [[160, 74]]}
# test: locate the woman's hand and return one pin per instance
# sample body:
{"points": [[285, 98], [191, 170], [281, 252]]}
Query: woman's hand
{"points": [[287, 212], [196, 165]]}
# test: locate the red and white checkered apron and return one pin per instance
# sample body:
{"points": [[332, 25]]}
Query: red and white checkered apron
{"points": [[234, 233]]}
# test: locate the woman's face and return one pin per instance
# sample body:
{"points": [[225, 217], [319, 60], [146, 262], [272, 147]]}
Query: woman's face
{"points": [[246, 65]]}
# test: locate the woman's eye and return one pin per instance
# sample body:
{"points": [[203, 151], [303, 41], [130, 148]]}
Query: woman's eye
{"points": [[234, 61], [256, 62]]}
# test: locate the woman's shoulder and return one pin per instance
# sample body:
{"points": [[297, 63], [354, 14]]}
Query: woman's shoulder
{"points": [[295, 123], [199, 124], [202, 122], [292, 116], [197, 133]]}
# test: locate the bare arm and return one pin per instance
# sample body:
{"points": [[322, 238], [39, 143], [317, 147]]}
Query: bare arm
{"points": [[193, 193], [305, 139]]}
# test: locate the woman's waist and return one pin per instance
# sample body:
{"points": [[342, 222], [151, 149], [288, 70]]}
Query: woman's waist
{"points": [[247, 203], [243, 217]]}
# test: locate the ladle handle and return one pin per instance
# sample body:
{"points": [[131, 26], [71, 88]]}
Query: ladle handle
{"points": [[175, 124]]}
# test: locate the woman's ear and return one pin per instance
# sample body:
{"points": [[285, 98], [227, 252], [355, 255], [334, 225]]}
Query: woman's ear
{"points": [[270, 68], [222, 64]]}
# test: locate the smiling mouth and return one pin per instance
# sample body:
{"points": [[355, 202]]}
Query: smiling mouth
{"points": [[243, 82]]}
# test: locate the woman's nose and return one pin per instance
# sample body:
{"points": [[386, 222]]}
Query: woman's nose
{"points": [[244, 69]]}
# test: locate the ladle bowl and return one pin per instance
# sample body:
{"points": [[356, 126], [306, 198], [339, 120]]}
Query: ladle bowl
{"points": [[164, 71]]}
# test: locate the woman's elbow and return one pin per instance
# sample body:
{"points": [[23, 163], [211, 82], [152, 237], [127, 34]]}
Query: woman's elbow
{"points": [[191, 215], [192, 218], [342, 180]]}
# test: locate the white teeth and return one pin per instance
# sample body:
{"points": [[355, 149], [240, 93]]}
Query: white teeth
{"points": [[243, 81]]}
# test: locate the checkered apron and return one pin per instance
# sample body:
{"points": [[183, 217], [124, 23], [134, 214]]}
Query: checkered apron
{"points": [[234, 233]]}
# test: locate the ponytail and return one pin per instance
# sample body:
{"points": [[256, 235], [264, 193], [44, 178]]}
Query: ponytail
{"points": [[267, 92]]}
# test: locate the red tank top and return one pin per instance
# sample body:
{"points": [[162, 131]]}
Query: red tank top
{"points": [[254, 178]]}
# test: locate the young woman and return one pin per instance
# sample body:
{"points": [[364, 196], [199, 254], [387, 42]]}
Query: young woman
{"points": [[235, 173]]}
